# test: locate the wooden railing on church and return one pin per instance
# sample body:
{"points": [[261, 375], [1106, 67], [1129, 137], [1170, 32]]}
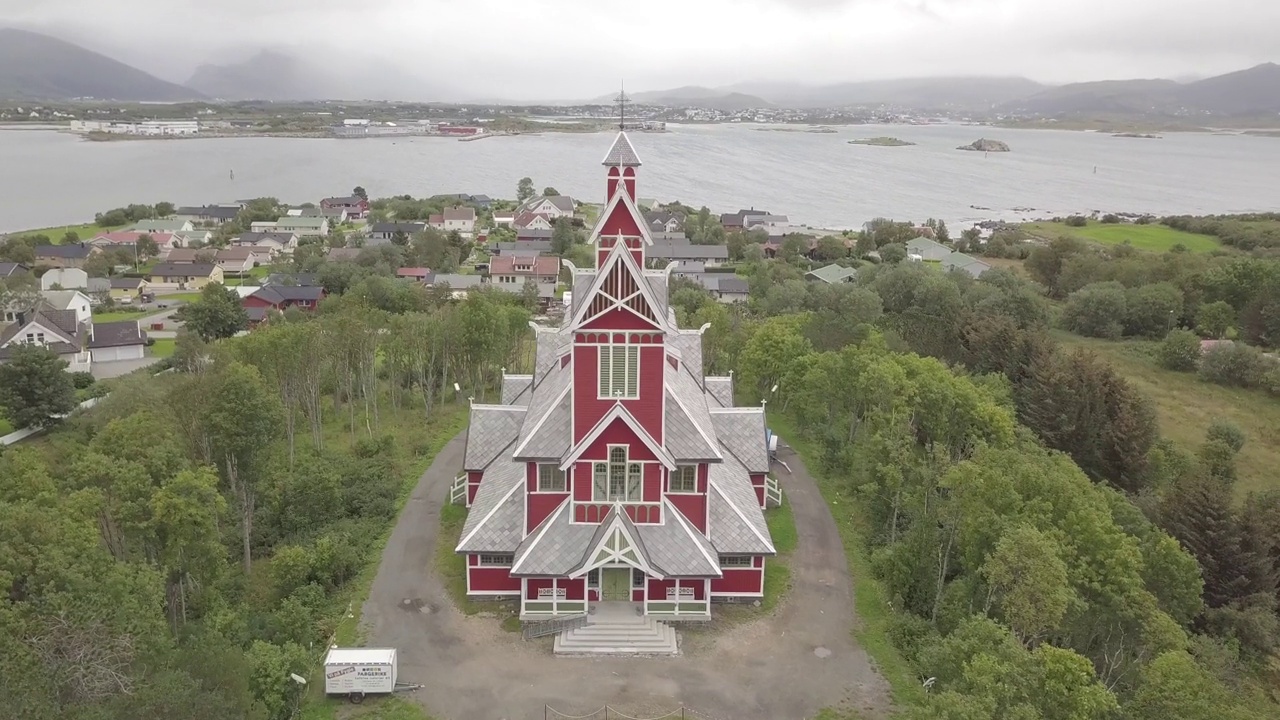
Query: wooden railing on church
{"points": [[640, 513]]}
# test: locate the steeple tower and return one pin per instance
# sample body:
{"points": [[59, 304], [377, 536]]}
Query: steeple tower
{"points": [[622, 160]]}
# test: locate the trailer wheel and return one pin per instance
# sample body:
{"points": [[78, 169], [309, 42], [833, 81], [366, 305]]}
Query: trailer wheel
{"points": [[356, 698]]}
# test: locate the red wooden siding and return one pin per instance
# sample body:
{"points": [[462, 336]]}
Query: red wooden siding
{"points": [[757, 483], [620, 221], [573, 589], [541, 505], [473, 485], [612, 183], [739, 581], [693, 507], [493, 579], [658, 588], [619, 319], [588, 409]]}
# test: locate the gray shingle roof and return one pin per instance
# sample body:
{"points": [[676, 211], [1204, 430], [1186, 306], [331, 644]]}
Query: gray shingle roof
{"points": [[677, 548], [527, 247], [78, 251], [687, 251], [720, 389], [689, 343], [493, 428], [556, 547], [735, 522], [117, 334], [658, 284], [513, 389], [833, 273], [622, 153], [545, 433], [549, 346], [496, 520], [742, 431], [690, 434]]}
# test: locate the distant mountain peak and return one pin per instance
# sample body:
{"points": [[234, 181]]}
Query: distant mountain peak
{"points": [[38, 66]]}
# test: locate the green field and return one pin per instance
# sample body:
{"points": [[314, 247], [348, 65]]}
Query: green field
{"points": [[1186, 405], [163, 347], [55, 234], [119, 315], [1155, 238]]}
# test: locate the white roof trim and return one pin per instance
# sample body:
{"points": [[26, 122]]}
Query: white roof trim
{"points": [[616, 525], [618, 412], [746, 522], [511, 408], [542, 420], [711, 443], [620, 195], [542, 531], [732, 410], [502, 501], [684, 523], [620, 254]]}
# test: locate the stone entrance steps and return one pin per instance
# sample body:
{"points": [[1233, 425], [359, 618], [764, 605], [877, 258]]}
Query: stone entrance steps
{"points": [[616, 635]]}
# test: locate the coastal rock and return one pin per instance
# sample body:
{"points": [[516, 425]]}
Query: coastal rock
{"points": [[985, 145], [881, 141]]}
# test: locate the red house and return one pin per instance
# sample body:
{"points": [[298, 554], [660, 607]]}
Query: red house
{"points": [[356, 206], [279, 298], [617, 473]]}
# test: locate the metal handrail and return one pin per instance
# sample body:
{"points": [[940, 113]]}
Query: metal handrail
{"points": [[553, 626]]}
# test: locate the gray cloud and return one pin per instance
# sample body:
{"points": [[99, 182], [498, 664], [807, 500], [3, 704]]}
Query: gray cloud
{"points": [[565, 49]]}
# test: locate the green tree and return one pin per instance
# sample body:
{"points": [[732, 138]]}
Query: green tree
{"points": [[830, 247], [1173, 686], [529, 295], [1215, 319], [147, 247], [1096, 310], [549, 191], [1152, 310], [893, 252], [1180, 351], [524, 189], [360, 192], [164, 209], [563, 236], [1028, 582], [217, 314], [35, 388]]}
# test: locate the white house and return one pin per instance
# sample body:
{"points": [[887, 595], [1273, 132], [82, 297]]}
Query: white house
{"points": [[57, 330], [276, 243], [64, 279], [109, 342], [460, 219], [553, 206], [928, 250], [774, 224], [300, 226], [72, 300]]}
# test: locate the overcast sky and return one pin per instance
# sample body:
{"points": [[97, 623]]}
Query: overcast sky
{"points": [[569, 49]]}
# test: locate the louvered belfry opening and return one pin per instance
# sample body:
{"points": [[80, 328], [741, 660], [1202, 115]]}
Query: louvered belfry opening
{"points": [[620, 288]]}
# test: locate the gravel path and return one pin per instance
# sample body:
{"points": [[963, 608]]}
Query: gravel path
{"points": [[783, 667]]}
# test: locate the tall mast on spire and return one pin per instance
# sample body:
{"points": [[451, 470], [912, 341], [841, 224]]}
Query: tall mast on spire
{"points": [[622, 107]]}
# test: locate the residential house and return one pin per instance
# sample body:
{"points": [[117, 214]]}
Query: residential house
{"points": [[300, 226], [210, 214], [192, 238], [516, 269], [532, 221], [128, 240], [435, 222], [186, 256], [130, 288], [414, 273], [183, 276], [708, 255], [528, 247], [775, 225], [483, 201], [336, 216], [355, 206], [737, 221], [459, 285], [64, 279], [665, 221], [832, 274], [297, 279], [98, 288], [461, 220], [61, 256], [55, 329], [162, 225], [928, 250], [113, 341], [552, 206], [277, 243], [960, 261], [525, 235], [387, 230], [277, 298], [724, 287], [616, 471], [9, 269], [343, 254], [239, 261], [73, 301], [504, 218]]}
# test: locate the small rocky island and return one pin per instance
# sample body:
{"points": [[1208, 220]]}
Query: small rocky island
{"points": [[1136, 135], [881, 141], [985, 145]]}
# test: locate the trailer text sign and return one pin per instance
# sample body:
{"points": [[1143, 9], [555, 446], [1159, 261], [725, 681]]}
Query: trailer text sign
{"points": [[341, 679]]}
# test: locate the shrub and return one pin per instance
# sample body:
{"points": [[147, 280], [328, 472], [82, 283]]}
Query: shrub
{"points": [[1234, 364], [1227, 433], [1077, 221], [1096, 310], [1110, 219], [1179, 351], [81, 380]]}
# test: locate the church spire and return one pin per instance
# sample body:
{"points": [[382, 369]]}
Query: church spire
{"points": [[621, 159]]}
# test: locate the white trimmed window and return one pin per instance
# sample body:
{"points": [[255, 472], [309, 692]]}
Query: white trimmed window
{"points": [[620, 371], [637, 578], [550, 478], [496, 560], [736, 561], [593, 578], [684, 479], [617, 480]]}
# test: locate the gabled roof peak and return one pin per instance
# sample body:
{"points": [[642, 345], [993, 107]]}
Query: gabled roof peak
{"points": [[621, 154]]}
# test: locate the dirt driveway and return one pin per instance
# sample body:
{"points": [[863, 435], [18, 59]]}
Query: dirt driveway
{"points": [[784, 667]]}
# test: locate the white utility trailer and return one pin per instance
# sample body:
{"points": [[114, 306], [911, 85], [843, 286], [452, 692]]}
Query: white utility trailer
{"points": [[356, 672]]}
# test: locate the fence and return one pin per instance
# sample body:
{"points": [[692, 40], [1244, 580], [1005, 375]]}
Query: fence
{"points": [[609, 713]]}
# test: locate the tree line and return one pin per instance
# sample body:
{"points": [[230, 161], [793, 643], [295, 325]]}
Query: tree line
{"points": [[1047, 554], [183, 547]]}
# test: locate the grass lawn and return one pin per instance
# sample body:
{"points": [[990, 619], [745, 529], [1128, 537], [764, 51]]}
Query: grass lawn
{"points": [[178, 297], [374, 707], [163, 347], [1186, 405], [5, 427], [119, 315], [1155, 238], [55, 234], [874, 614], [453, 570]]}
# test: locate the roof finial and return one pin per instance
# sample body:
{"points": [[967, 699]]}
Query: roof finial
{"points": [[622, 106]]}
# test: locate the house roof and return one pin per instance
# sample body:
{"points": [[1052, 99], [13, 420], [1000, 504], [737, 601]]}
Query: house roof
{"points": [[687, 251], [183, 269], [563, 203], [621, 154], [179, 256], [9, 269], [495, 522], [117, 334], [392, 227], [342, 253], [833, 273], [126, 283], [542, 265], [742, 432], [61, 324], [76, 251], [238, 253], [720, 389], [278, 294], [460, 213], [169, 225], [349, 200], [290, 279], [923, 243], [130, 237], [534, 234], [303, 221], [62, 299], [217, 212], [434, 220], [414, 272], [735, 523], [253, 238], [535, 247], [493, 428]]}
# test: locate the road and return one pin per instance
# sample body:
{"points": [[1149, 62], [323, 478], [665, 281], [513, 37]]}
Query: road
{"points": [[781, 667]]}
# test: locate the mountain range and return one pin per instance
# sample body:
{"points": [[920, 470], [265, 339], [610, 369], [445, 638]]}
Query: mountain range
{"points": [[40, 67]]}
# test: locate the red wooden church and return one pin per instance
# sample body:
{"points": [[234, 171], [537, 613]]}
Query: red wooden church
{"points": [[617, 472]]}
